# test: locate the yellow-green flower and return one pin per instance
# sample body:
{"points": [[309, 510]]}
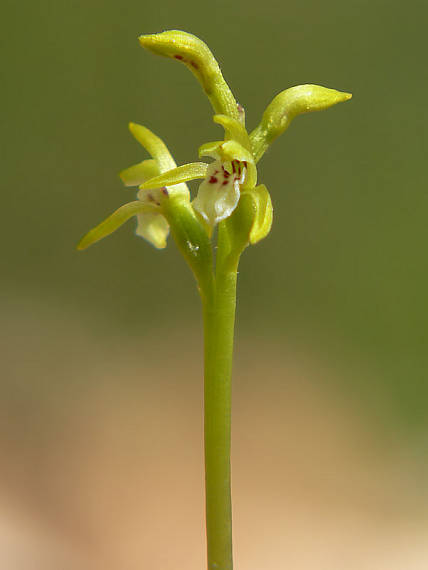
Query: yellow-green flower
{"points": [[152, 224], [233, 170]]}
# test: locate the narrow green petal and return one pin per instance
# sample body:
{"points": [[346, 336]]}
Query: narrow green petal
{"points": [[235, 130], [154, 146], [195, 54], [287, 105], [210, 149], [139, 173], [176, 176], [113, 222], [263, 220]]}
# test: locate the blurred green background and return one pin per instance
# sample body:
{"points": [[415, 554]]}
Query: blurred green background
{"points": [[343, 275]]}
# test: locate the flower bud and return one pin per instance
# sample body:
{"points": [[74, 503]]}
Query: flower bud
{"points": [[287, 105], [195, 54]]}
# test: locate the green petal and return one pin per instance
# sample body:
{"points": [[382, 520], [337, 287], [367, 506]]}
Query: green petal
{"points": [[210, 149], [153, 227], [177, 175], [195, 54], [287, 105], [113, 222], [263, 220], [138, 173], [235, 130], [154, 146]]}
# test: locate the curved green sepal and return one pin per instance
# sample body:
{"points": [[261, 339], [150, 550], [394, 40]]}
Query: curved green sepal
{"points": [[113, 222], [235, 130], [287, 105], [192, 240], [138, 173], [264, 213], [196, 55], [154, 146], [177, 175]]}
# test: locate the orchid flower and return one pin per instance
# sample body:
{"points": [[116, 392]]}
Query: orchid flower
{"points": [[152, 223]]}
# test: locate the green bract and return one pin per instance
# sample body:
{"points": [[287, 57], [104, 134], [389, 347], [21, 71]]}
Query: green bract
{"points": [[228, 192]]}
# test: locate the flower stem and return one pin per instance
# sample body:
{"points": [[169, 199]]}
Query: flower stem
{"points": [[219, 320]]}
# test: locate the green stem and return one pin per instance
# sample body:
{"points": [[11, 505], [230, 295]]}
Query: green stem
{"points": [[219, 320]]}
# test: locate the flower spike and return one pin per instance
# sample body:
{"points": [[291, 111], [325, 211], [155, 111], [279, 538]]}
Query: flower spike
{"points": [[230, 197], [196, 55]]}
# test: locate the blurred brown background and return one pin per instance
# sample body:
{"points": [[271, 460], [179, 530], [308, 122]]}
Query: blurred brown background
{"points": [[101, 365]]}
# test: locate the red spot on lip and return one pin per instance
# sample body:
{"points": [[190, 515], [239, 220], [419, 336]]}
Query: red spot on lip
{"points": [[213, 180], [180, 57], [194, 64], [225, 182]]}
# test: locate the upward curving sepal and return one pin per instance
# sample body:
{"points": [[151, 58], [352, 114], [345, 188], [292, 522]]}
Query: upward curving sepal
{"points": [[196, 55], [287, 105], [154, 146]]}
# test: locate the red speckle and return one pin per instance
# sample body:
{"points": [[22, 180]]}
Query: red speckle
{"points": [[194, 64], [213, 180], [226, 174], [225, 182], [180, 57], [164, 191]]}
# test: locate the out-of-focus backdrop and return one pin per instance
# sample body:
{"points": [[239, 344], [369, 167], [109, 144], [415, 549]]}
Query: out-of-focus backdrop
{"points": [[101, 365]]}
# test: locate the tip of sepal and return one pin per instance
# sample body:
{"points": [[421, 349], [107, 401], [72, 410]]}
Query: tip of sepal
{"points": [[112, 223], [81, 245]]}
